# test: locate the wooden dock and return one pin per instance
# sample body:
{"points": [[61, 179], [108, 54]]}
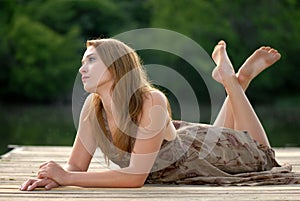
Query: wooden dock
{"points": [[22, 163]]}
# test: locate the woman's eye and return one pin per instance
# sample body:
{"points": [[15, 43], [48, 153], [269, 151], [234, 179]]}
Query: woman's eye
{"points": [[92, 59]]}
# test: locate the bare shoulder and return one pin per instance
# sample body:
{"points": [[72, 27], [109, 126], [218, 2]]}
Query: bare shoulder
{"points": [[155, 97], [157, 115], [154, 101], [88, 101], [87, 107], [155, 110]]}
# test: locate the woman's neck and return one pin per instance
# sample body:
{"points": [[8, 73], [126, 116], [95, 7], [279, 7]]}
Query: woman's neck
{"points": [[105, 95]]}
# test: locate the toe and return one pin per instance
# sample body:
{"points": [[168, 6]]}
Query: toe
{"points": [[222, 42], [267, 48]]}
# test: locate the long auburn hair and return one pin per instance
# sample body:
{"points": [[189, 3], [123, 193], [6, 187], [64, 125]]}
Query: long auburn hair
{"points": [[128, 90]]}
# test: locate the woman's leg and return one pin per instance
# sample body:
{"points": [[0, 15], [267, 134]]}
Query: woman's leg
{"points": [[261, 59], [244, 117]]}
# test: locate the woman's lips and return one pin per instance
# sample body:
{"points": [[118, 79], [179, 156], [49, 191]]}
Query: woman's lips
{"points": [[84, 78]]}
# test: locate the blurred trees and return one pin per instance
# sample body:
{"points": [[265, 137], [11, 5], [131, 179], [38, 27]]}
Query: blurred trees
{"points": [[42, 43], [42, 40], [37, 63], [245, 26]]}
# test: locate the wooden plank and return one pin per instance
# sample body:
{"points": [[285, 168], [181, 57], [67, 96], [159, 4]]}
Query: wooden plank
{"points": [[23, 162], [139, 196], [169, 189]]}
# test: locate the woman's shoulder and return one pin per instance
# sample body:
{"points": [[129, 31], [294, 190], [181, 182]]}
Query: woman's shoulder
{"points": [[88, 102], [156, 107], [155, 97], [88, 107]]}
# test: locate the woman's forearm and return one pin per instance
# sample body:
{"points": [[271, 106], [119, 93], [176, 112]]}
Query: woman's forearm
{"points": [[72, 168], [107, 178]]}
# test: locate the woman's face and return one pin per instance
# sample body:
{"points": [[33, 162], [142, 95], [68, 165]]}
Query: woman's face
{"points": [[94, 73]]}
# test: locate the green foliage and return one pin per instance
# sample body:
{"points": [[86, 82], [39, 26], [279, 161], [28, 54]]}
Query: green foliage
{"points": [[94, 18], [43, 60], [245, 26], [42, 40]]}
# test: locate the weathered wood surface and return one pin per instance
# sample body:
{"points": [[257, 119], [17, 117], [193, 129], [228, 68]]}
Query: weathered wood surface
{"points": [[23, 162]]}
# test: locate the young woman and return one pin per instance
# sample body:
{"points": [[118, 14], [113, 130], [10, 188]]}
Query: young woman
{"points": [[131, 123]]}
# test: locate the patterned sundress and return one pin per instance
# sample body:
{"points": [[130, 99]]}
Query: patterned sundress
{"points": [[203, 154]]}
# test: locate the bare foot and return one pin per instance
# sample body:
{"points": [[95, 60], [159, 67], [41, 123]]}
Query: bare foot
{"points": [[256, 63], [224, 70]]}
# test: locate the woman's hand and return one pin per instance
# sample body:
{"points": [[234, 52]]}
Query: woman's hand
{"points": [[31, 184], [53, 171]]}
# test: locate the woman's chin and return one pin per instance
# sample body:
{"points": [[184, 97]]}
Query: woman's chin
{"points": [[89, 89]]}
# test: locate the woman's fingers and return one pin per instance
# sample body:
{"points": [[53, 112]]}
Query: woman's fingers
{"points": [[46, 163], [51, 185], [31, 184], [27, 183], [42, 174], [44, 167], [53, 171], [43, 164], [42, 179]]}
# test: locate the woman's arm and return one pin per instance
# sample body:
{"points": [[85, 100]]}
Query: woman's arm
{"points": [[80, 158], [149, 139], [81, 154], [84, 145], [124, 177]]}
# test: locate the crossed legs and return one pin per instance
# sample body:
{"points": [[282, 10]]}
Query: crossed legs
{"points": [[237, 112]]}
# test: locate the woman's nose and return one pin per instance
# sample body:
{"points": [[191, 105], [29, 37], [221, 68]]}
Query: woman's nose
{"points": [[82, 69]]}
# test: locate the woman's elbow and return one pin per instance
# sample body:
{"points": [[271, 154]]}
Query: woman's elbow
{"points": [[137, 182]]}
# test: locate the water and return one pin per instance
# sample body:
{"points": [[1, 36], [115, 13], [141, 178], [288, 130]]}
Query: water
{"points": [[53, 125], [36, 125]]}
